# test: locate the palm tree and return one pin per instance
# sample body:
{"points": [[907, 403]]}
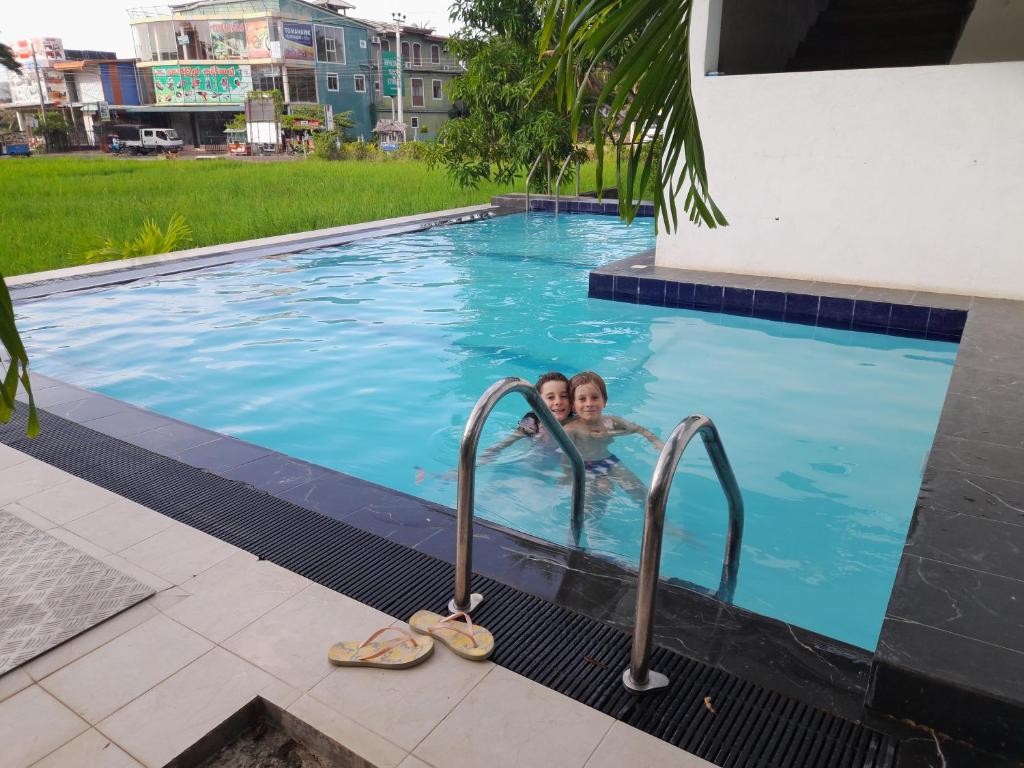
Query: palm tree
{"points": [[641, 51]]}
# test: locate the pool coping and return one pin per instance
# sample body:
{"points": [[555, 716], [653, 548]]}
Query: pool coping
{"points": [[986, 365], [953, 623]]}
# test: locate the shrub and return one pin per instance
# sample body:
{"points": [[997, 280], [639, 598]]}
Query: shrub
{"points": [[413, 150], [361, 150], [150, 241], [327, 145]]}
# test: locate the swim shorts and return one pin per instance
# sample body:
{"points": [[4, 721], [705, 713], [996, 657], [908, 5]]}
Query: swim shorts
{"points": [[601, 466]]}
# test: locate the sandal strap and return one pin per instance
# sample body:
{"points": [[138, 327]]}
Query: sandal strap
{"points": [[406, 638], [469, 624]]}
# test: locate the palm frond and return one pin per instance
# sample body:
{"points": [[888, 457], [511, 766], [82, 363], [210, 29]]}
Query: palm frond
{"points": [[14, 364], [647, 87]]}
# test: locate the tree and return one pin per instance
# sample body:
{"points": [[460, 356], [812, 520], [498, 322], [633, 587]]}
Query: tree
{"points": [[14, 360], [505, 118], [648, 87]]}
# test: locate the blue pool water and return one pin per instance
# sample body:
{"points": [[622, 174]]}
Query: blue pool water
{"points": [[368, 358]]}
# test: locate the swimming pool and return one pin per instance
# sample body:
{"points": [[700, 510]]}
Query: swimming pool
{"points": [[368, 358]]}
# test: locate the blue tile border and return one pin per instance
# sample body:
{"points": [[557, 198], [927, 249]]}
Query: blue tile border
{"points": [[807, 309], [575, 205]]}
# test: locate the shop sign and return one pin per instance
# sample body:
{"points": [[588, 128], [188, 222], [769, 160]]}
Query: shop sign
{"points": [[257, 38], [298, 41], [202, 84], [227, 38], [104, 110], [389, 63]]}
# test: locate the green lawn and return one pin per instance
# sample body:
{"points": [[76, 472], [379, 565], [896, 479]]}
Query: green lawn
{"points": [[53, 209]]}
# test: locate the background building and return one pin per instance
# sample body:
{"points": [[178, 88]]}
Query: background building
{"points": [[198, 61], [427, 67]]}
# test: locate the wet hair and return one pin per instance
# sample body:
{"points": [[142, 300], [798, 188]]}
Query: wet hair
{"points": [[550, 376], [586, 377]]}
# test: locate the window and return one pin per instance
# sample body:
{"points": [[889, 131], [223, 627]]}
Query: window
{"points": [[405, 51], [267, 79], [360, 83], [376, 84], [417, 92], [330, 44], [415, 122], [384, 44], [332, 81], [435, 87], [435, 54], [416, 55], [301, 85]]}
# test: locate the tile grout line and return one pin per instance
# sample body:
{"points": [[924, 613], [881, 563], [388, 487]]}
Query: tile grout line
{"points": [[450, 711]]}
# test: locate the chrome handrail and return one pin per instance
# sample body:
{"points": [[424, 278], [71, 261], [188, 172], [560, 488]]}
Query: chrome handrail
{"points": [[463, 600], [529, 178], [639, 676], [558, 181]]}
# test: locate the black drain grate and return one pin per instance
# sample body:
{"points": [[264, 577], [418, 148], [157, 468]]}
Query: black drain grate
{"points": [[741, 726]]}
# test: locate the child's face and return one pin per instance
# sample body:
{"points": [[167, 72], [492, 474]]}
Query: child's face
{"points": [[556, 395], [588, 402]]}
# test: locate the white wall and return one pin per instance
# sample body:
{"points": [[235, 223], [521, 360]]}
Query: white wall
{"points": [[90, 87], [994, 32], [910, 177]]}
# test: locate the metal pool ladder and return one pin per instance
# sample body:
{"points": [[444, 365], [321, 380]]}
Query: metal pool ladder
{"points": [[638, 676], [463, 600]]}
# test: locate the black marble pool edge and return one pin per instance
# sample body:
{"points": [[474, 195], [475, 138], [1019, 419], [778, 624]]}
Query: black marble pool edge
{"points": [[951, 651], [709, 712]]}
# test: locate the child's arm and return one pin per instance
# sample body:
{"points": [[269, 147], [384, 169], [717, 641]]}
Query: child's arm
{"points": [[628, 426], [491, 453]]}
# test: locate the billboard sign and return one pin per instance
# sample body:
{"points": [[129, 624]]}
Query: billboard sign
{"points": [[389, 63], [298, 41], [46, 49], [202, 84], [227, 39], [257, 38]]}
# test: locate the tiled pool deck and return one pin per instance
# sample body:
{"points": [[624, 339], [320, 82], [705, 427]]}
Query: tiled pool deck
{"points": [[225, 627]]}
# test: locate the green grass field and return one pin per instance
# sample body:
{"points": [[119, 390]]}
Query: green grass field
{"points": [[54, 209]]}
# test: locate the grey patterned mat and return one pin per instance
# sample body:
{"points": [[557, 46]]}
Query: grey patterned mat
{"points": [[50, 591]]}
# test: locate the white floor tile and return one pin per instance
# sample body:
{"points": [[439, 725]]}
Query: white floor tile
{"points": [[510, 721], [233, 594], [90, 750], [178, 553], [625, 745], [69, 501], [402, 705], [78, 646], [354, 738], [28, 478], [292, 640], [166, 720], [9, 457], [30, 517], [119, 525], [108, 678], [32, 725], [13, 681]]}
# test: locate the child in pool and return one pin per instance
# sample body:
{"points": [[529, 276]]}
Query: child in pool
{"points": [[593, 431], [553, 388]]}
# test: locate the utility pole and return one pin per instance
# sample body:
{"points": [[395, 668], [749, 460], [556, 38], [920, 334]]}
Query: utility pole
{"points": [[39, 84], [399, 19]]}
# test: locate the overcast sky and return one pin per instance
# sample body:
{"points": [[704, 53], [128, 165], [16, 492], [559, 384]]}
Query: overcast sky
{"points": [[103, 24]]}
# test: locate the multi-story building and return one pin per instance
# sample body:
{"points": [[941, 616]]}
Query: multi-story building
{"points": [[86, 86], [197, 61], [427, 66]]}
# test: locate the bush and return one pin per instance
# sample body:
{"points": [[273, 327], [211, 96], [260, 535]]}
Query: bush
{"points": [[413, 150], [361, 150], [327, 145], [149, 241]]}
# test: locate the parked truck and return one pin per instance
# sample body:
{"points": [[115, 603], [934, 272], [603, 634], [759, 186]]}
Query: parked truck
{"points": [[138, 140]]}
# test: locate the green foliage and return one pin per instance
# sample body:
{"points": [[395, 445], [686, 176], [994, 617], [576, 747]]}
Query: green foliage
{"points": [[413, 150], [508, 126], [236, 123], [7, 60], [16, 361], [517, 21], [327, 145], [56, 208], [641, 49], [150, 241], [361, 150]]}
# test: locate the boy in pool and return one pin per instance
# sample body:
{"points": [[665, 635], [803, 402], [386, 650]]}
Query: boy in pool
{"points": [[553, 388], [593, 431]]}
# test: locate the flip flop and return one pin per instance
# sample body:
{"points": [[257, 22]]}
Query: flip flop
{"points": [[463, 637], [389, 654]]}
